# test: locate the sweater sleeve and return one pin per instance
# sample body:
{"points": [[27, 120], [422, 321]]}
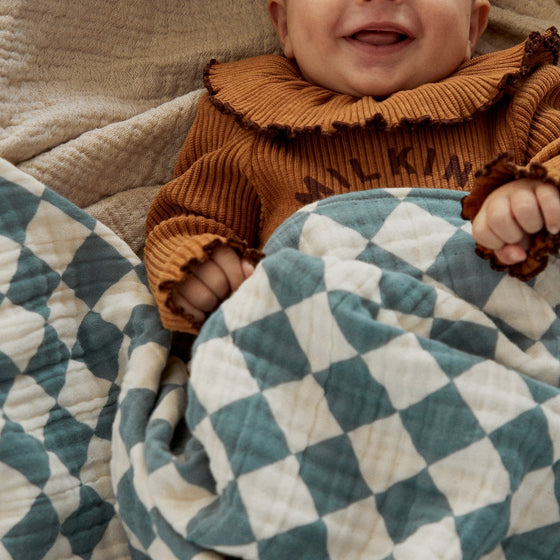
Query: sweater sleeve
{"points": [[537, 121], [210, 202]]}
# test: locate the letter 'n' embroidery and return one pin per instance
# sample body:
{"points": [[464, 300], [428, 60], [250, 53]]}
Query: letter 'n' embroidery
{"points": [[316, 191], [454, 170]]}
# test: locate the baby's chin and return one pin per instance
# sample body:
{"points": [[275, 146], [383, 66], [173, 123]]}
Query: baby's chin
{"points": [[378, 90], [386, 86], [378, 93]]}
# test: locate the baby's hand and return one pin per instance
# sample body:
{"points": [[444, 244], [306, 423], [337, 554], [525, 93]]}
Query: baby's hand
{"points": [[211, 282], [512, 213]]}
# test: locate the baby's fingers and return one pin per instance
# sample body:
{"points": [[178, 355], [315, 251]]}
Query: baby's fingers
{"points": [[215, 280], [247, 267], [494, 226], [229, 263], [535, 205], [548, 198], [187, 297], [525, 207]]}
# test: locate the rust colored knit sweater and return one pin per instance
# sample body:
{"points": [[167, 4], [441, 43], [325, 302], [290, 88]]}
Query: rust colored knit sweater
{"points": [[265, 143]]}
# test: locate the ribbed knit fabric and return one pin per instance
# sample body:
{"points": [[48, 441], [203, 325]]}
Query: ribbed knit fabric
{"points": [[265, 142]]}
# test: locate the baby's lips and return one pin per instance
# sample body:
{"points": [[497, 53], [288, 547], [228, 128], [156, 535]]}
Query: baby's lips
{"points": [[379, 38]]}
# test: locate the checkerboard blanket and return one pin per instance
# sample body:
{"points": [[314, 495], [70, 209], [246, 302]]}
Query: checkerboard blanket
{"points": [[75, 315], [373, 391]]}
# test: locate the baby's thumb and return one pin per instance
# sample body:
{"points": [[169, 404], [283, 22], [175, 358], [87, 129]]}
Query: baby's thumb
{"points": [[511, 254]]}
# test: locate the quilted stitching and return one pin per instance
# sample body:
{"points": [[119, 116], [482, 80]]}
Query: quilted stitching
{"points": [[75, 315], [398, 401]]}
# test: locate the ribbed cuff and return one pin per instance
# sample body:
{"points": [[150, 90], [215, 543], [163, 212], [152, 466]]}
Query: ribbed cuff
{"points": [[197, 250]]}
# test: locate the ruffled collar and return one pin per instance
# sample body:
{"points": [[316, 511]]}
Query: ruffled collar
{"points": [[267, 93]]}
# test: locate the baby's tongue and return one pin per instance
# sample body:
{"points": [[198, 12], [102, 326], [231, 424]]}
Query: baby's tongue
{"points": [[378, 38]]}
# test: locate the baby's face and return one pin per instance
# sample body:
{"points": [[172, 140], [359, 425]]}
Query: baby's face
{"points": [[378, 47]]}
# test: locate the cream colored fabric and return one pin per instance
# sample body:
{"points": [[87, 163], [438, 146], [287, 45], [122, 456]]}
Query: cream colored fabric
{"points": [[512, 20], [96, 96]]}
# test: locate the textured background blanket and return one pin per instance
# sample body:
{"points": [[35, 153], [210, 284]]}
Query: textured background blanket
{"points": [[96, 96]]}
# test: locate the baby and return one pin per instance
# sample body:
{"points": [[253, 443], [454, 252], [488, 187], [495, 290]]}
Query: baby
{"points": [[370, 93]]}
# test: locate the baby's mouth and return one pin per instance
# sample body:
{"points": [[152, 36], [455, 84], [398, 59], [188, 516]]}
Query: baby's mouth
{"points": [[379, 38]]}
